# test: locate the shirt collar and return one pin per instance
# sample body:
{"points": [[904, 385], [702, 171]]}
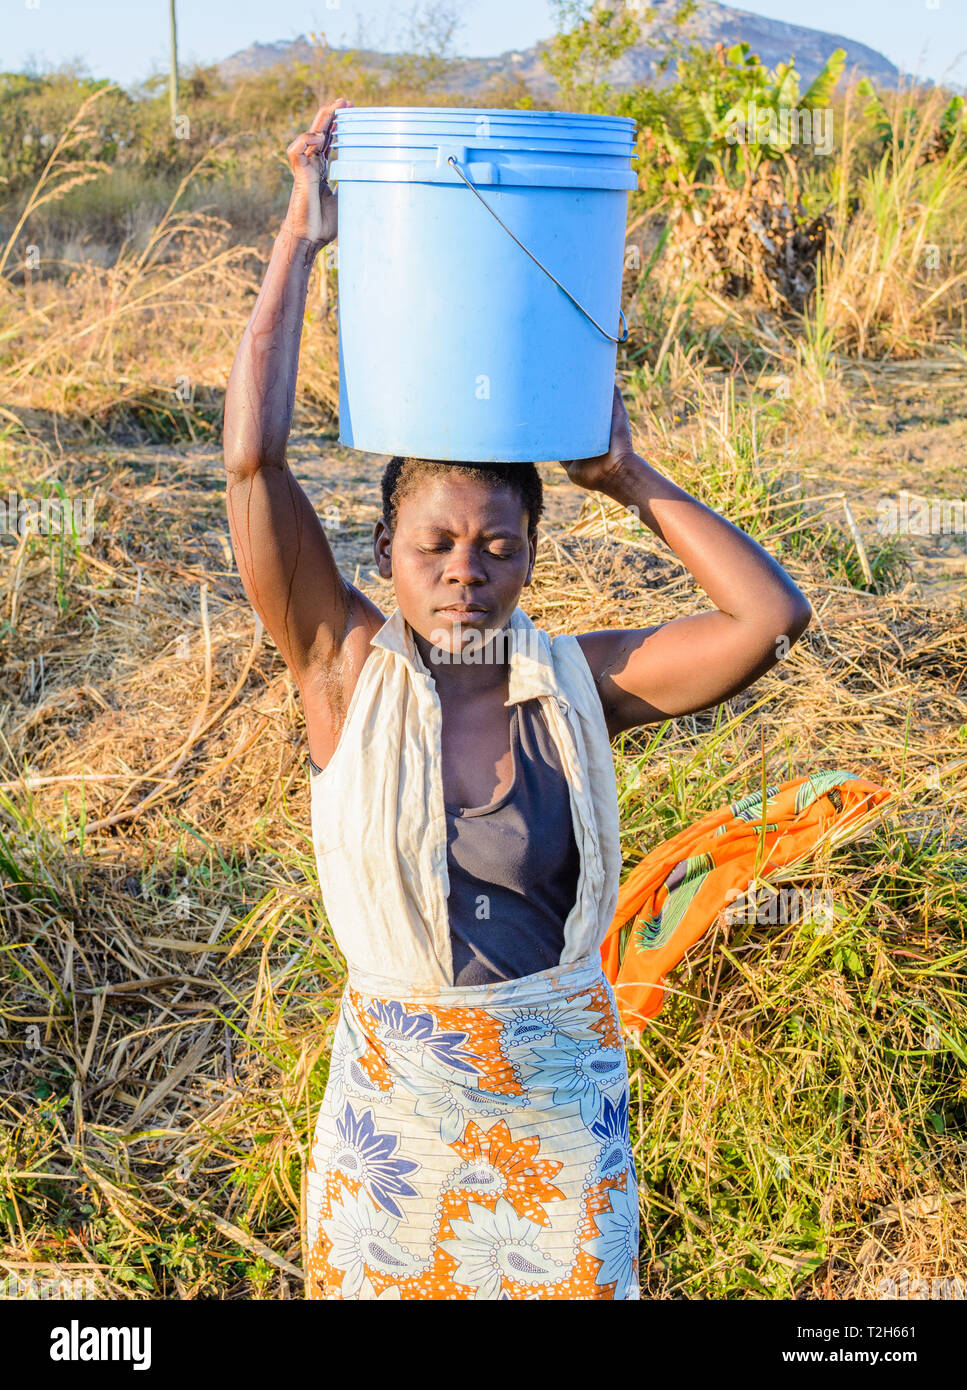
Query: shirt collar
{"points": [[531, 664]]}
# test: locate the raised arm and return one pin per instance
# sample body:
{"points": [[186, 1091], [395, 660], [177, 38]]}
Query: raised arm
{"points": [[284, 559], [690, 663]]}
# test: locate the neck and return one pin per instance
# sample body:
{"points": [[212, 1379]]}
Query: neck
{"points": [[484, 669]]}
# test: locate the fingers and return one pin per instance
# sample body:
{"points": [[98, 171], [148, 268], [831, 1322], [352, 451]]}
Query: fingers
{"points": [[304, 150], [318, 138], [322, 120], [311, 144]]}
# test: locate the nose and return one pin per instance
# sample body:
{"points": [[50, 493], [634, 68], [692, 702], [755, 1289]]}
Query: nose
{"points": [[464, 566]]}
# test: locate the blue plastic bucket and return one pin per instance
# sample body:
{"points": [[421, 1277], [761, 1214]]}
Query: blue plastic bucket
{"points": [[459, 337]]}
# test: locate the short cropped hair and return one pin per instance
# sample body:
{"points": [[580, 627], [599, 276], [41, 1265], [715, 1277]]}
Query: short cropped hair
{"points": [[402, 476]]}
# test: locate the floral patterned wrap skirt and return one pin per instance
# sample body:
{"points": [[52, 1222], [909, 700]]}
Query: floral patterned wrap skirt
{"points": [[473, 1143]]}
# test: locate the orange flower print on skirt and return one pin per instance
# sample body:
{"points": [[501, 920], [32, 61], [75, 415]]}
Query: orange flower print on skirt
{"points": [[473, 1143]]}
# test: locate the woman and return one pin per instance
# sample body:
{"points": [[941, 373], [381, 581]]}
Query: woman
{"points": [[473, 1139]]}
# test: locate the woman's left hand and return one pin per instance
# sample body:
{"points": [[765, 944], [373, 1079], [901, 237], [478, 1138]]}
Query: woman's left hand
{"points": [[598, 473], [312, 203]]}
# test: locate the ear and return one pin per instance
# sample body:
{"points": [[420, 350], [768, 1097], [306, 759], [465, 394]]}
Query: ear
{"points": [[382, 549], [532, 547]]}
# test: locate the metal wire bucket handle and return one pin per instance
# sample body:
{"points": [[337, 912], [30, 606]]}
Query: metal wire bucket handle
{"points": [[557, 282]]}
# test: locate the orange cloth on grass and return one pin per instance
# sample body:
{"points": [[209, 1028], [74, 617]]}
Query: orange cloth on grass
{"points": [[673, 896]]}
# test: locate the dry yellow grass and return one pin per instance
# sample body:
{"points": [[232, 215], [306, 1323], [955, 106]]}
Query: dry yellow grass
{"points": [[169, 976], [168, 1014]]}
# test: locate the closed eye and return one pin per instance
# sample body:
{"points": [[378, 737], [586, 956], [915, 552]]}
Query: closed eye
{"points": [[497, 554]]}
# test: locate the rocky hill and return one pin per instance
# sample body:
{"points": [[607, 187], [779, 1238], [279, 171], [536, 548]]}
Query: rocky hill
{"points": [[774, 40]]}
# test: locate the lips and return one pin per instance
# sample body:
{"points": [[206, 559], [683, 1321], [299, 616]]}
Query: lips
{"points": [[471, 614]]}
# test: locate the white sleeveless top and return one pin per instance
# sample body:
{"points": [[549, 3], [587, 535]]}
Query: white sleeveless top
{"points": [[379, 828]]}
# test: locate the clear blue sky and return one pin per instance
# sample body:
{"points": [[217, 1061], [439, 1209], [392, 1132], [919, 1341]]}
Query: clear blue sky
{"points": [[127, 39]]}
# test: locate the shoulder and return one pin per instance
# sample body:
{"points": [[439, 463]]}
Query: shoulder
{"points": [[610, 647], [573, 668], [606, 653]]}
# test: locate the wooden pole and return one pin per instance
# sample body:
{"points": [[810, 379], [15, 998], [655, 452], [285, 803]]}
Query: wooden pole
{"points": [[173, 76]]}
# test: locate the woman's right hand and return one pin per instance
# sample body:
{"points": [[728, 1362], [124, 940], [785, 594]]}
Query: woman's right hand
{"points": [[312, 204]]}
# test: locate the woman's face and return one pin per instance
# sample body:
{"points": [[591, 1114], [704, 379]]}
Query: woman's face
{"points": [[457, 542]]}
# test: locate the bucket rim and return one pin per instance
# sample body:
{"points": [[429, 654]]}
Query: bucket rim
{"points": [[591, 119], [385, 141]]}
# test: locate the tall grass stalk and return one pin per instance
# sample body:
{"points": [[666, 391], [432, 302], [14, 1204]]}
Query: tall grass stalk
{"points": [[884, 287]]}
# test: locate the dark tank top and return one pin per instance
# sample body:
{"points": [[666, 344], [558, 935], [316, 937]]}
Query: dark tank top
{"points": [[514, 865]]}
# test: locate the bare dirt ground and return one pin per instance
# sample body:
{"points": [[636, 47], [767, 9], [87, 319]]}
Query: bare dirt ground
{"points": [[904, 429]]}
